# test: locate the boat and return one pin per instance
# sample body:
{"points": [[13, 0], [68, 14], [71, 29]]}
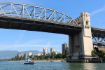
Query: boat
{"points": [[28, 61]]}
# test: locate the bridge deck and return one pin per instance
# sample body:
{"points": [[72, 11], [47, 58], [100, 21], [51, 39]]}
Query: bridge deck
{"points": [[41, 25], [36, 25], [98, 31]]}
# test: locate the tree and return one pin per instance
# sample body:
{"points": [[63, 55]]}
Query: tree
{"points": [[97, 53]]}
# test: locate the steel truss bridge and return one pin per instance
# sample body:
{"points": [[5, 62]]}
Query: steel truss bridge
{"points": [[35, 18]]}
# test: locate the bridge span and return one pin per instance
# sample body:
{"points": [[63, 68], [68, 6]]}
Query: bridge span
{"points": [[82, 36], [36, 25]]}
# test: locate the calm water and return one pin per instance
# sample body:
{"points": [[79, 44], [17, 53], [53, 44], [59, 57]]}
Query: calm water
{"points": [[51, 66]]}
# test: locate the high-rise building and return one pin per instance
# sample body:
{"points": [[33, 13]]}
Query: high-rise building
{"points": [[45, 51], [65, 49], [52, 52]]}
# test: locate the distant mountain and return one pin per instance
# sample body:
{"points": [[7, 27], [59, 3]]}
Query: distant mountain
{"points": [[33, 51], [10, 54]]}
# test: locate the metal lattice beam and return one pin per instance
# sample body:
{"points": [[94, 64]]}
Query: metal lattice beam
{"points": [[35, 13], [99, 39]]}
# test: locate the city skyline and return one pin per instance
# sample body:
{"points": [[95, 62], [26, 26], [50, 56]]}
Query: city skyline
{"points": [[28, 40]]}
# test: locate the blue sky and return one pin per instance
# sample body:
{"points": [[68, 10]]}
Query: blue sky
{"points": [[28, 40]]}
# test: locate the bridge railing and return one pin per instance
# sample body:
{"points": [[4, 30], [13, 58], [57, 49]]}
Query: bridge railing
{"points": [[35, 13]]}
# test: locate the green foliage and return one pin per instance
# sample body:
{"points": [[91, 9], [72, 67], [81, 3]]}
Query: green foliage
{"points": [[58, 56], [41, 57], [94, 54], [97, 53]]}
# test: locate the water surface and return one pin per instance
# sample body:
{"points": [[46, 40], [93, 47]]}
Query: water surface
{"points": [[51, 66]]}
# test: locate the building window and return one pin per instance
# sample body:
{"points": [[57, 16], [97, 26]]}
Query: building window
{"points": [[87, 22]]}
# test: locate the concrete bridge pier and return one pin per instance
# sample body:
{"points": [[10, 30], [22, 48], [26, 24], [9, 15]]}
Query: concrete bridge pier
{"points": [[81, 44]]}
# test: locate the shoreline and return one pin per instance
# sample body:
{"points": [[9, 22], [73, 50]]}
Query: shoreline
{"points": [[48, 60], [60, 60]]}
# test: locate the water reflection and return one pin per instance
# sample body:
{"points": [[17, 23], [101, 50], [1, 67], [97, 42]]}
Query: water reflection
{"points": [[89, 66], [75, 66], [82, 66]]}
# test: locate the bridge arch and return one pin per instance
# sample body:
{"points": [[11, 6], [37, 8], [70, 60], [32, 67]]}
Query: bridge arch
{"points": [[33, 13]]}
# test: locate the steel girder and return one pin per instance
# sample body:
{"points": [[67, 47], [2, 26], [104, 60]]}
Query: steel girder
{"points": [[35, 13], [99, 40]]}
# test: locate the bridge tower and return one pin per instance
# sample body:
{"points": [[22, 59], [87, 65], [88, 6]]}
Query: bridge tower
{"points": [[81, 44]]}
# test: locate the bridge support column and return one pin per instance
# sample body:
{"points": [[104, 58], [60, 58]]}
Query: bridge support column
{"points": [[81, 44], [75, 46]]}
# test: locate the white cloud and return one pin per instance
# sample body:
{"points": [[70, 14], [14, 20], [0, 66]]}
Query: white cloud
{"points": [[98, 11]]}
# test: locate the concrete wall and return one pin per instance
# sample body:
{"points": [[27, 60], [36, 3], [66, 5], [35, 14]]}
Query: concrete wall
{"points": [[81, 43], [86, 34]]}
